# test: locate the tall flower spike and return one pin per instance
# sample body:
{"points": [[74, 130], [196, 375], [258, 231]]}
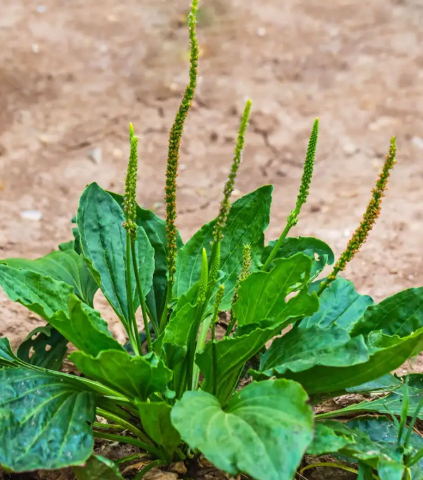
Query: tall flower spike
{"points": [[369, 218], [174, 143], [227, 192], [308, 171], [303, 192], [130, 198]]}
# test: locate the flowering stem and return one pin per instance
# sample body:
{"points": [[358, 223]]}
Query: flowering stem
{"points": [[141, 296], [173, 159], [132, 326]]}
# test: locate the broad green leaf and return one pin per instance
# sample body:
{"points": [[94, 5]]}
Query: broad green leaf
{"points": [[136, 377], [401, 314], [98, 468], [103, 239], [300, 350], [155, 418], [319, 252], [155, 228], [340, 305], [48, 348], [387, 355], [42, 295], [55, 302], [329, 440], [384, 435], [262, 432], [247, 220], [387, 383], [232, 353], [65, 246], [263, 294], [67, 266], [7, 357], [391, 403], [45, 421]]}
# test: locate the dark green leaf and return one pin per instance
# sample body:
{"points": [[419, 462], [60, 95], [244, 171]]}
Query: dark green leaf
{"points": [[340, 305], [247, 220], [103, 240], [301, 350], [401, 315], [7, 357], [155, 228], [45, 421], [98, 468], [65, 246], [136, 377], [44, 347], [387, 383], [319, 252], [263, 295], [263, 431], [67, 266], [155, 418]]}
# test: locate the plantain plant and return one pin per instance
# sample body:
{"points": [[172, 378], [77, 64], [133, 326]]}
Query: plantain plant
{"points": [[238, 388]]}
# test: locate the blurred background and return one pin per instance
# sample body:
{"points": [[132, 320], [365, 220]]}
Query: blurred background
{"points": [[74, 73]]}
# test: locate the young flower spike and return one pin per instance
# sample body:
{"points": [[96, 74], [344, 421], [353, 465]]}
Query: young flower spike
{"points": [[371, 214], [229, 186], [174, 144], [130, 198], [303, 192]]}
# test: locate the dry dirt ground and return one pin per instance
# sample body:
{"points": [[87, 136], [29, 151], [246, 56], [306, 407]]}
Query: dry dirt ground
{"points": [[74, 73]]}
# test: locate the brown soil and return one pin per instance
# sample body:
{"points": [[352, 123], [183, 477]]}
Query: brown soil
{"points": [[73, 74]]}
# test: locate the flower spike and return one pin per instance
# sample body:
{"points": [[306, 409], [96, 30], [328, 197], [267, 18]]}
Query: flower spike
{"points": [[174, 144], [130, 198]]}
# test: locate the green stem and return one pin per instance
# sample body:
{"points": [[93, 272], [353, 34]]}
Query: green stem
{"points": [[329, 464], [214, 357], [200, 347], [129, 458], [278, 244], [140, 294], [107, 426], [191, 346], [163, 320], [147, 468], [123, 423], [129, 440], [133, 329]]}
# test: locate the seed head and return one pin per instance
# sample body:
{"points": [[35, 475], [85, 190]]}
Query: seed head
{"points": [[130, 198]]}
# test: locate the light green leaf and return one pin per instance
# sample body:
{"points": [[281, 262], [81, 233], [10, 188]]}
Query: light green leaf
{"points": [[155, 418], [45, 421], [42, 295], [247, 220], [329, 440], [48, 348], [263, 294], [319, 252], [300, 350], [136, 377], [66, 266], [389, 354], [232, 353], [155, 228], [401, 314], [340, 305], [98, 468], [55, 302], [263, 431], [103, 239], [7, 357]]}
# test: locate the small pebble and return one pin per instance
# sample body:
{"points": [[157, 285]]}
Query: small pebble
{"points": [[33, 215], [41, 8], [417, 142], [96, 155], [261, 31], [35, 48]]}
